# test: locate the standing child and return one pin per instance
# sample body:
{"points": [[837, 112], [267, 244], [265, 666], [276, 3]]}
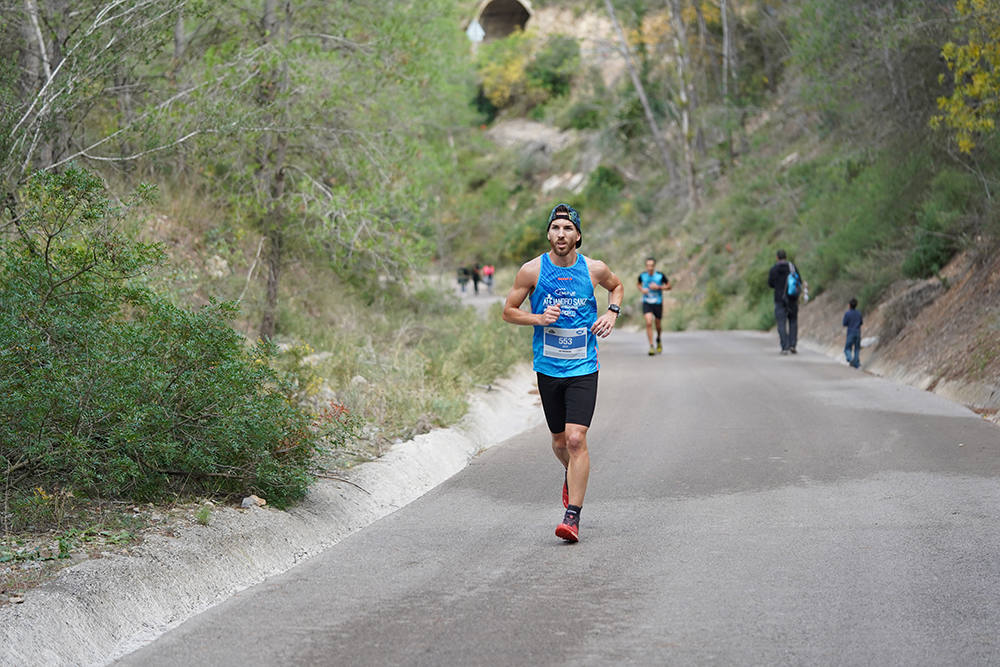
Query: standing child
{"points": [[852, 347]]}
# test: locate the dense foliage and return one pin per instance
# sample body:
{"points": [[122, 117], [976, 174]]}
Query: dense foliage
{"points": [[109, 389], [310, 156], [974, 66]]}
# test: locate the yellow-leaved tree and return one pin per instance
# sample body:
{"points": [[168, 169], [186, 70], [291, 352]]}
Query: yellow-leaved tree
{"points": [[974, 64]]}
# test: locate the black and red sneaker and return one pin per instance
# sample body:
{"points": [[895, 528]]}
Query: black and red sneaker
{"points": [[566, 490], [569, 529]]}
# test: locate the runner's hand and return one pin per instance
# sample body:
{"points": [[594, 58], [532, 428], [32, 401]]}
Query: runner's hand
{"points": [[604, 324], [550, 314]]}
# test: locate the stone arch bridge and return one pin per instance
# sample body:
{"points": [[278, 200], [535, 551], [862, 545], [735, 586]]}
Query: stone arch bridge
{"points": [[495, 19]]}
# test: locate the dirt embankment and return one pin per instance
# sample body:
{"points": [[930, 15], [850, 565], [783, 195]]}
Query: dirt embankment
{"points": [[940, 334]]}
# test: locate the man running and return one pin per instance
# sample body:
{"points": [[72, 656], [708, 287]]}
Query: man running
{"points": [[652, 284], [564, 313]]}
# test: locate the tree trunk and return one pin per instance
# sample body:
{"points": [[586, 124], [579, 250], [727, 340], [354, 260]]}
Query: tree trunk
{"points": [[899, 93], [60, 138], [668, 161], [702, 28], [275, 240], [272, 168], [180, 46], [686, 105], [37, 65], [180, 43], [702, 37], [726, 50]]}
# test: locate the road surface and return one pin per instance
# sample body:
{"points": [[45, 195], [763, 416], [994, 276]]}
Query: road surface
{"points": [[744, 508]]}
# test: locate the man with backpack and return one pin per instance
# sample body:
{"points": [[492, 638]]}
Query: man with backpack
{"points": [[787, 283]]}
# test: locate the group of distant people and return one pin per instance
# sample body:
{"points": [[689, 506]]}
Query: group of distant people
{"points": [[476, 273], [560, 285]]}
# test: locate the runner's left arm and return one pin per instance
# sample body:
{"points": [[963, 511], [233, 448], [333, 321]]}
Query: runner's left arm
{"points": [[609, 281]]}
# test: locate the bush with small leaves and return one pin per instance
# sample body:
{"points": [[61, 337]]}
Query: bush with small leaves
{"points": [[108, 389]]}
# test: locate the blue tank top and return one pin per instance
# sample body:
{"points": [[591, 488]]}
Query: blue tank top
{"points": [[565, 348], [654, 295]]}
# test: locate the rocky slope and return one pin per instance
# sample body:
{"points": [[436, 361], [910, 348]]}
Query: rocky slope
{"points": [[940, 334]]}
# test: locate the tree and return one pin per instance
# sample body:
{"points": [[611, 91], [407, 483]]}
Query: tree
{"points": [[668, 161], [869, 68], [69, 63], [974, 68], [685, 101], [327, 146], [728, 69], [107, 388]]}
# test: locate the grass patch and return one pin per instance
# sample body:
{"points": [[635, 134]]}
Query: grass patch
{"points": [[404, 363]]}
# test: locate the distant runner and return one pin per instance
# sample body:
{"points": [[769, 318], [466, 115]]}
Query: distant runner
{"points": [[564, 313], [652, 284]]}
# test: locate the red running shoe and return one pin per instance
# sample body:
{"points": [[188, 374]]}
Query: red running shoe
{"points": [[565, 491], [569, 529]]}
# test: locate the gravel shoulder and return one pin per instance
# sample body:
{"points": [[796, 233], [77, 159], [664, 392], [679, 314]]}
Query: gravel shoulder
{"points": [[101, 609]]}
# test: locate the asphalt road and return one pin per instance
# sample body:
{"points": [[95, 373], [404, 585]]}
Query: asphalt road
{"points": [[744, 508]]}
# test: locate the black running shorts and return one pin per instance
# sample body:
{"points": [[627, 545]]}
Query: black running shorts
{"points": [[655, 308], [568, 400]]}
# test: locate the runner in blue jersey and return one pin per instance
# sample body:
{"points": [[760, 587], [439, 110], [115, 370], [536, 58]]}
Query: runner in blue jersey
{"points": [[564, 313], [652, 284]]}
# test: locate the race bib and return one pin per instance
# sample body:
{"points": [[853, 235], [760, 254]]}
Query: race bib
{"points": [[564, 343]]}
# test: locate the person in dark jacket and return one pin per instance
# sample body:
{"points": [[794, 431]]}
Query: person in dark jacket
{"points": [[852, 346], [786, 308]]}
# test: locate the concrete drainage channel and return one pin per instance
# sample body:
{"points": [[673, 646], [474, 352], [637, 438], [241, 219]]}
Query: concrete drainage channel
{"points": [[102, 609]]}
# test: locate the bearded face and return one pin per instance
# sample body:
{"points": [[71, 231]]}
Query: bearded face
{"points": [[563, 237]]}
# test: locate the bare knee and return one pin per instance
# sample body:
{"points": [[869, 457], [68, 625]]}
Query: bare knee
{"points": [[576, 441]]}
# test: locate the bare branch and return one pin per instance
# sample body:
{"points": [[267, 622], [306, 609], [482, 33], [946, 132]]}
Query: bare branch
{"points": [[250, 272], [32, 8]]}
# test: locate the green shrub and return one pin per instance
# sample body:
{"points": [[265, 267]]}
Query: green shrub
{"points": [[485, 108], [755, 276], [678, 318], [714, 299], [762, 315], [518, 73], [501, 64], [630, 120], [936, 237], [553, 66], [932, 250], [524, 241], [582, 116], [604, 188], [107, 389], [861, 213]]}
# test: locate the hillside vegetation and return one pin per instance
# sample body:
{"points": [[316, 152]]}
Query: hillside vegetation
{"points": [[229, 232], [858, 136]]}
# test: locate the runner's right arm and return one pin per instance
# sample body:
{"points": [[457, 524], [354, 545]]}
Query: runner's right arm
{"points": [[524, 282]]}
